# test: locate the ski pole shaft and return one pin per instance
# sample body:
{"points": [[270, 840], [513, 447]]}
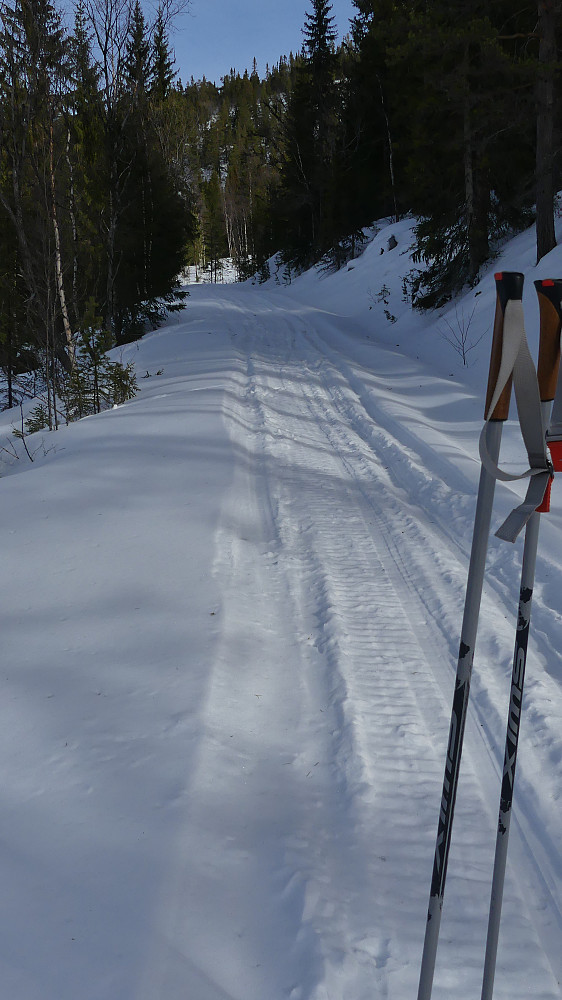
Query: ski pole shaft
{"points": [[550, 299], [510, 756], [509, 285]]}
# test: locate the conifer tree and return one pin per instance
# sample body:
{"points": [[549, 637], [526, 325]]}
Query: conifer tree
{"points": [[214, 235], [461, 157], [155, 218], [163, 73], [92, 209], [146, 216], [311, 140], [88, 171], [545, 145], [137, 62], [319, 39], [16, 354], [33, 85]]}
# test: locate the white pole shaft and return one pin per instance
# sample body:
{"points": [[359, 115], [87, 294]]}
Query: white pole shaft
{"points": [[469, 629], [512, 740]]}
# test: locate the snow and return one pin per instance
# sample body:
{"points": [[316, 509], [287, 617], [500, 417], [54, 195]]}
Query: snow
{"points": [[231, 618]]}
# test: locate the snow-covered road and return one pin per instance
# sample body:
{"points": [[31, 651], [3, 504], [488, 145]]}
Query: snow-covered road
{"points": [[233, 609], [339, 576]]}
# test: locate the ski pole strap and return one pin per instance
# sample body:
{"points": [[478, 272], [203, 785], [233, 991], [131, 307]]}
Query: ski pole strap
{"points": [[554, 435], [519, 516], [516, 362]]}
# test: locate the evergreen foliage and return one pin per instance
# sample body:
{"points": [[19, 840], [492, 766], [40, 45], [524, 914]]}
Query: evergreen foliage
{"points": [[162, 68], [137, 56], [38, 420], [92, 204], [234, 147], [309, 170], [428, 108], [96, 383], [456, 88], [114, 176]]}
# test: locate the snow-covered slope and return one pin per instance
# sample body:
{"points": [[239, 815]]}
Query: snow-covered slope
{"points": [[231, 619]]}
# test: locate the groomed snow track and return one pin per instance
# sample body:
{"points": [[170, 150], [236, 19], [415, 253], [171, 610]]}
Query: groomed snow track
{"points": [[339, 560], [231, 621]]}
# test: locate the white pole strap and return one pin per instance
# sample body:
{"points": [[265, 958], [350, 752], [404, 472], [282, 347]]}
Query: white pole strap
{"points": [[555, 429], [516, 360], [519, 516]]}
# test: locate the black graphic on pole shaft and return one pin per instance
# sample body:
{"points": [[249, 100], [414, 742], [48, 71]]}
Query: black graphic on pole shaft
{"points": [[450, 781], [515, 700]]}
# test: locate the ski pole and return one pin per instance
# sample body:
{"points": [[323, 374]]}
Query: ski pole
{"points": [[550, 304], [509, 286]]}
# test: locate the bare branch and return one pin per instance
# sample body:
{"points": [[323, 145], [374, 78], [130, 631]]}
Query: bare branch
{"points": [[457, 334]]}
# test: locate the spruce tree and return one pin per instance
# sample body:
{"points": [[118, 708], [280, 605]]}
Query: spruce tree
{"points": [[461, 157], [88, 173], [17, 354], [320, 38], [312, 132], [34, 90], [545, 145], [137, 56], [216, 245], [163, 73]]}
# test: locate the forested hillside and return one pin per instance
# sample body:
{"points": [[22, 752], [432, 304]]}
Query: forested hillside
{"points": [[115, 174]]}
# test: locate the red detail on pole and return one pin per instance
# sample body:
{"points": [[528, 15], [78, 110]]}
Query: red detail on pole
{"points": [[556, 454], [499, 276], [544, 507]]}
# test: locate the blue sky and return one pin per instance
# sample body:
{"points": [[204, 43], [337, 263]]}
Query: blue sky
{"points": [[218, 34]]}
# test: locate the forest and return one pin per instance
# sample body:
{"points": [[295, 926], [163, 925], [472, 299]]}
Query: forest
{"points": [[115, 176]]}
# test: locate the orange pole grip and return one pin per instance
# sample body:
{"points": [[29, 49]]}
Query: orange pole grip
{"points": [[549, 293]]}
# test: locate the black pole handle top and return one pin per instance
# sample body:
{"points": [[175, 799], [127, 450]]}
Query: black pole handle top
{"points": [[509, 285]]}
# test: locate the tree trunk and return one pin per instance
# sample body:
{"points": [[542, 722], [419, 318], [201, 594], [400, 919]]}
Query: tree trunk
{"points": [[477, 199], [546, 239], [72, 214], [390, 152], [11, 337], [58, 260], [9, 369], [110, 249]]}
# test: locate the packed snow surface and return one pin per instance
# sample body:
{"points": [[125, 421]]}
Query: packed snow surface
{"points": [[231, 613]]}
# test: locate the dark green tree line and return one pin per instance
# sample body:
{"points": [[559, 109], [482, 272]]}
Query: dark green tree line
{"points": [[91, 208], [467, 92], [114, 175]]}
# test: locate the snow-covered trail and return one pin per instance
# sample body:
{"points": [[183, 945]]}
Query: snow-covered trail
{"points": [[329, 701], [234, 697]]}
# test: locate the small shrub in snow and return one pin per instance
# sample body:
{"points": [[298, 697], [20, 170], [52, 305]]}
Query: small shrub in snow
{"points": [[38, 420], [97, 383]]}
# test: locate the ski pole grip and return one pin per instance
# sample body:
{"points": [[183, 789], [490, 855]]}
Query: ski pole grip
{"points": [[509, 285], [549, 292]]}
